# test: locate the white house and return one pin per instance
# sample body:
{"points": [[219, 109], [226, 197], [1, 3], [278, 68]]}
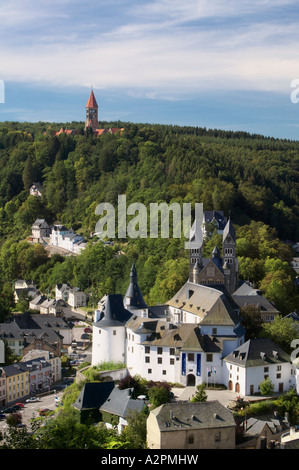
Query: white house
{"points": [[253, 362], [62, 291], [40, 229], [76, 298], [66, 239]]}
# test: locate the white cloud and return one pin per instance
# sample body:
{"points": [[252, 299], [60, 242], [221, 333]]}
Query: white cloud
{"points": [[159, 49]]}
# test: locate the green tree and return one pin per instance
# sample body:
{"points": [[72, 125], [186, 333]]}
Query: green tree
{"points": [[157, 396], [200, 394], [266, 387], [282, 331]]}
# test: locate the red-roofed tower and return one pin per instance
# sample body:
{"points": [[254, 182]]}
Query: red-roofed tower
{"points": [[92, 112]]}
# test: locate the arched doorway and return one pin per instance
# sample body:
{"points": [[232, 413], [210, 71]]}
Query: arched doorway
{"points": [[237, 387], [230, 385], [190, 380]]}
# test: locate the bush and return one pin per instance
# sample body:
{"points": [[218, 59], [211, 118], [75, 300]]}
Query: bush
{"points": [[266, 387]]}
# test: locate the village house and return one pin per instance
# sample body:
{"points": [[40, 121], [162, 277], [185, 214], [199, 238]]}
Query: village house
{"points": [[25, 332], [253, 362], [49, 357], [36, 189], [2, 386], [202, 425], [16, 382], [77, 298], [62, 291], [107, 403], [40, 230], [24, 290]]}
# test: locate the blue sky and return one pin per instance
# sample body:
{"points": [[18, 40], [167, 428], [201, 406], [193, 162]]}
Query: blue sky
{"points": [[207, 63]]}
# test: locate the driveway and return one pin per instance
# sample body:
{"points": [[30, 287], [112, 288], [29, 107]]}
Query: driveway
{"points": [[223, 396]]}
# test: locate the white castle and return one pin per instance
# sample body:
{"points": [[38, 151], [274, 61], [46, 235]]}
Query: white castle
{"points": [[184, 340]]}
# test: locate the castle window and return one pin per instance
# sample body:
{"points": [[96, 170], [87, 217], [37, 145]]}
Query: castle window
{"points": [[147, 349], [160, 350], [147, 359], [159, 360]]}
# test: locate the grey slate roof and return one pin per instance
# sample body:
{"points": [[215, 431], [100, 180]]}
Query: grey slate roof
{"points": [[113, 312], [258, 352], [134, 292], [187, 416], [229, 230], [93, 395], [255, 300], [210, 216], [120, 403]]}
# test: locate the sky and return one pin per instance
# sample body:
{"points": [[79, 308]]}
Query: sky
{"points": [[229, 65]]}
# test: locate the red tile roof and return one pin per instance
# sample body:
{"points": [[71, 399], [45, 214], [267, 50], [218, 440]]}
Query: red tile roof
{"points": [[91, 103]]}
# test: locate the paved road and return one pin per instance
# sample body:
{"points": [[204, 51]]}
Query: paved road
{"points": [[30, 410]]}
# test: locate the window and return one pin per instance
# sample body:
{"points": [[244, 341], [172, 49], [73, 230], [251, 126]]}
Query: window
{"points": [[149, 371], [159, 360], [171, 351], [190, 357], [209, 357], [214, 331], [278, 368], [114, 332], [191, 439], [147, 349], [160, 350], [171, 362], [147, 359], [278, 376], [266, 369], [164, 372]]}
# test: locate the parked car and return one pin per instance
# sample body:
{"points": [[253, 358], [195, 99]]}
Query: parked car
{"points": [[16, 407], [21, 405], [44, 412], [2, 416], [87, 330], [84, 336], [32, 399], [9, 410]]}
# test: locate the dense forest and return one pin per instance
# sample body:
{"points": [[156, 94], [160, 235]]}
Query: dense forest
{"points": [[251, 178]]}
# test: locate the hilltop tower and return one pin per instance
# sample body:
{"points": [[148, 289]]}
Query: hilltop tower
{"points": [[92, 113]]}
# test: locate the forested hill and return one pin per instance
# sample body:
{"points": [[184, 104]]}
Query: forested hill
{"points": [[250, 177]]}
